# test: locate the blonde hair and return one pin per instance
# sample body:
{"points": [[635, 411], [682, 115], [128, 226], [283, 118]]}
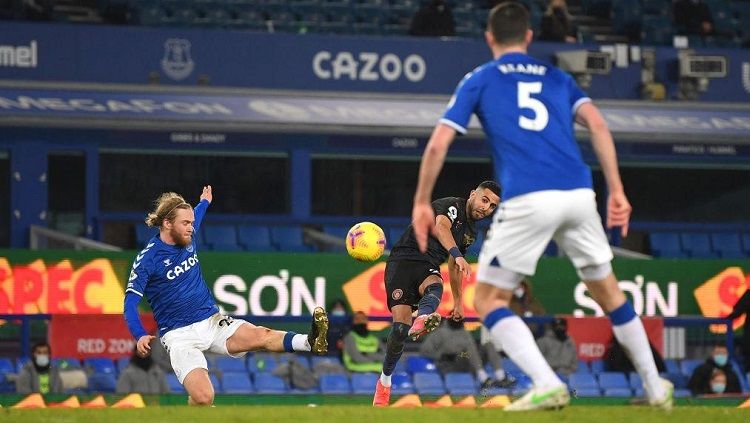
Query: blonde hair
{"points": [[166, 208]]}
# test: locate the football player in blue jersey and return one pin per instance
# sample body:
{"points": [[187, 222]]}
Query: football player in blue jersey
{"points": [[168, 273], [527, 109]]}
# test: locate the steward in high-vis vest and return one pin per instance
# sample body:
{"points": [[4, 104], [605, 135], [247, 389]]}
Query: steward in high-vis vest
{"points": [[363, 351]]}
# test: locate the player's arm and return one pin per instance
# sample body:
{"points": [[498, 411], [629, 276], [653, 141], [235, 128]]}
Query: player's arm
{"points": [[139, 276], [423, 217], [443, 234], [618, 207], [456, 279], [200, 209]]}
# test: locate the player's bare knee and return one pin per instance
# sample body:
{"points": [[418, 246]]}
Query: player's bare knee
{"points": [[203, 395], [594, 273]]}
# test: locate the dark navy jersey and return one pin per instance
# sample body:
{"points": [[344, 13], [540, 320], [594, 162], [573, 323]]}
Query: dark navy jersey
{"points": [[462, 229], [170, 277], [527, 109]]}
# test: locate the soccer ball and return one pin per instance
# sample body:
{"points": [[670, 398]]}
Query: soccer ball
{"points": [[365, 242]]}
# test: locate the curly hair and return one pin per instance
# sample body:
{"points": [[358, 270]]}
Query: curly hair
{"points": [[166, 208]]}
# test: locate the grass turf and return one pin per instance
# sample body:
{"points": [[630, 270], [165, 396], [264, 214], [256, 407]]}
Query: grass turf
{"points": [[362, 414]]}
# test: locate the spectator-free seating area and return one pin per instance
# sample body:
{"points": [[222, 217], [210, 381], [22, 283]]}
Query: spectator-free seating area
{"points": [[414, 374], [726, 245]]}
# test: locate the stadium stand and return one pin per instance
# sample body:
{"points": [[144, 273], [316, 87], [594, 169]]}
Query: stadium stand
{"points": [[236, 383]]}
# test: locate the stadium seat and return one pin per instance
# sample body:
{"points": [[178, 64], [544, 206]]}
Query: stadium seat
{"points": [[66, 363], [301, 359], [635, 381], [597, 366], [588, 392], [672, 365], [687, 366], [102, 382], [266, 383], [666, 244], [512, 368], [221, 237], [364, 383], [336, 384], [7, 367], [401, 384], [682, 393], [236, 383], [746, 244], [322, 359], [697, 245], [460, 384], [428, 383], [727, 245], [229, 365], [100, 365], [215, 381], [618, 392], [613, 380], [583, 367], [122, 363], [678, 379], [262, 362], [289, 239], [419, 364], [175, 387], [580, 381], [255, 238]]}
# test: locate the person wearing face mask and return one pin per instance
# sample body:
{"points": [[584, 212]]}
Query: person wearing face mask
{"points": [[340, 322], [363, 351], [556, 23], [558, 348], [701, 379], [38, 375], [142, 375], [453, 349]]}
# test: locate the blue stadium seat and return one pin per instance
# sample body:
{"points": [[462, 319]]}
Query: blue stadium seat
{"points": [[512, 368], [678, 379], [682, 393], [697, 245], [635, 381], [266, 383], [746, 244], [175, 387], [102, 382], [401, 384], [142, 234], [419, 364], [261, 363], [122, 363], [727, 245], [588, 392], [618, 392], [580, 381], [229, 364], [672, 365], [583, 367], [301, 359], [236, 383], [314, 360], [429, 383], [7, 367], [215, 381], [336, 384], [613, 380], [666, 244], [66, 363], [100, 365], [364, 383], [597, 366], [460, 384], [221, 237], [255, 238], [289, 239], [688, 365]]}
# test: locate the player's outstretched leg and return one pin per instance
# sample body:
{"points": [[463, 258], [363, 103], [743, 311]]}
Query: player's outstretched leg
{"points": [[427, 318], [394, 349], [248, 337], [318, 336]]}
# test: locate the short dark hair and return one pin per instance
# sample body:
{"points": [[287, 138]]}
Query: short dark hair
{"points": [[492, 186], [508, 23], [40, 344]]}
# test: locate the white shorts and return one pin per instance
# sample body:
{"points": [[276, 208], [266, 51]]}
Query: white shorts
{"points": [[524, 225], [187, 344]]}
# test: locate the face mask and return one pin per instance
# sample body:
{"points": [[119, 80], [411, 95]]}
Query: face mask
{"points": [[560, 334], [360, 329], [518, 292], [720, 359], [142, 362], [41, 360], [453, 324], [338, 313], [718, 388]]}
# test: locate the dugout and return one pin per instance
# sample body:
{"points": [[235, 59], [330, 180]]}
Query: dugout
{"points": [[90, 161]]}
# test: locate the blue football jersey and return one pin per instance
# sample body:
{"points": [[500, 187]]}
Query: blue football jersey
{"points": [[527, 109], [171, 279]]}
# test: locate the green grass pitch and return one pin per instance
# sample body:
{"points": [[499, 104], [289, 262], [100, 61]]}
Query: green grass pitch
{"points": [[362, 414]]}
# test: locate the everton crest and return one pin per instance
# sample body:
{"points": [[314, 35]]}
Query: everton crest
{"points": [[177, 63]]}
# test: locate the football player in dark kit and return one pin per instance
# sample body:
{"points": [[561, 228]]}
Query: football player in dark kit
{"points": [[412, 278]]}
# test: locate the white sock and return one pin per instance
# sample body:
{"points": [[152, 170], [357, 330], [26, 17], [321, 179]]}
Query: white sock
{"points": [[632, 337], [482, 375], [385, 380], [499, 374], [516, 340], [300, 343]]}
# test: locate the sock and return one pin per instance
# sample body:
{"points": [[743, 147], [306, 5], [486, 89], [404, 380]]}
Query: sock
{"points": [[385, 380], [511, 333], [431, 299], [297, 342], [394, 347], [630, 333], [482, 375]]}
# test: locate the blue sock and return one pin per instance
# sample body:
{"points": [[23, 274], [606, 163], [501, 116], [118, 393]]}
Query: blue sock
{"points": [[495, 316], [288, 341], [394, 346], [622, 314], [431, 299]]}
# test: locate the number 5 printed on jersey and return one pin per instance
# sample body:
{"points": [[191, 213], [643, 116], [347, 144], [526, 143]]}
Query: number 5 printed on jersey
{"points": [[526, 101]]}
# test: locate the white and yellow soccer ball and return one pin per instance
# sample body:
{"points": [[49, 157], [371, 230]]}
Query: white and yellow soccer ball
{"points": [[365, 242]]}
